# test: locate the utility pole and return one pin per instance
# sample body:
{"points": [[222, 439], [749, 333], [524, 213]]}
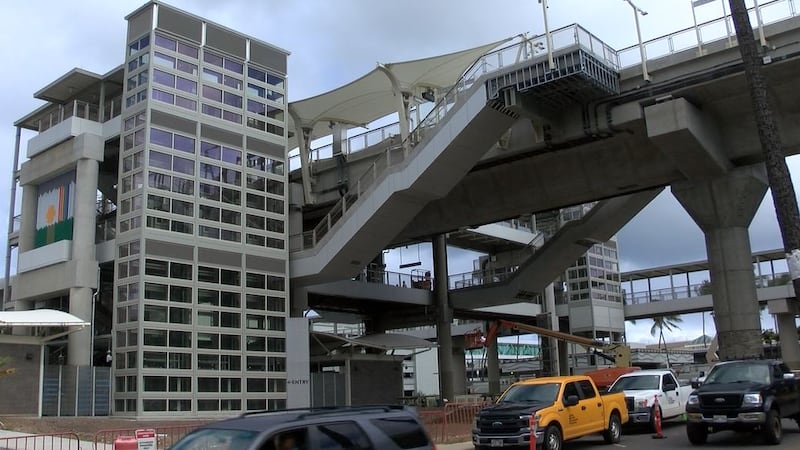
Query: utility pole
{"points": [[780, 183]]}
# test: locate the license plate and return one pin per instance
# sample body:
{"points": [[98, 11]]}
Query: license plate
{"points": [[497, 442], [720, 419]]}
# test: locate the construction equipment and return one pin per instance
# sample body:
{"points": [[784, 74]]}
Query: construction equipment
{"points": [[619, 354]]}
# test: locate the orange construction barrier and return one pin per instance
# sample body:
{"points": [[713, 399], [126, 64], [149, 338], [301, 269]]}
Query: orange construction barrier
{"points": [[532, 425], [126, 443], [657, 420]]}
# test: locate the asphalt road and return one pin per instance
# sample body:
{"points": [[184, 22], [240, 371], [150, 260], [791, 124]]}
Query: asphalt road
{"points": [[676, 439]]}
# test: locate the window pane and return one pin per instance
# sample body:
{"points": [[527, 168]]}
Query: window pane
{"points": [[208, 274], [185, 103], [210, 150], [182, 294], [183, 165], [183, 208], [212, 93], [161, 77], [209, 191], [160, 137], [165, 42], [210, 172], [209, 213], [212, 59], [233, 82], [155, 267], [186, 85], [188, 50], [259, 75], [184, 143], [212, 110], [212, 75], [231, 196], [232, 156], [183, 186], [231, 217], [232, 177], [233, 66], [233, 100], [186, 67]]}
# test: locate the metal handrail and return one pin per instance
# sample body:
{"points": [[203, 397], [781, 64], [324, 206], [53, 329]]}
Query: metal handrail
{"points": [[674, 42], [695, 290], [77, 108]]}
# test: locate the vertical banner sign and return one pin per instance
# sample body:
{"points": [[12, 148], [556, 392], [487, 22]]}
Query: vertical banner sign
{"points": [[298, 364], [54, 210], [146, 439]]}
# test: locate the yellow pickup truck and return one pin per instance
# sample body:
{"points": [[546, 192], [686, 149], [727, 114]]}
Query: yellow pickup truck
{"points": [[563, 408]]}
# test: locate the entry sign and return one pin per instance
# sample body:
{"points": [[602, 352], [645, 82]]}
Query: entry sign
{"points": [[146, 439]]}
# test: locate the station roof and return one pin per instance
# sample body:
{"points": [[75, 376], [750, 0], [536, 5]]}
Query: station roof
{"points": [[324, 343], [372, 96], [40, 318]]}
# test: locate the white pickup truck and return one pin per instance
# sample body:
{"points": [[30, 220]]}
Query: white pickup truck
{"points": [[642, 387]]}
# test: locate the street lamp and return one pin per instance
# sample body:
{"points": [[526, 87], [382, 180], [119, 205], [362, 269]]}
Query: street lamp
{"points": [[550, 61], [636, 12]]}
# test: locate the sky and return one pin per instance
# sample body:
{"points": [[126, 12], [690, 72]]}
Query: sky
{"points": [[335, 42]]}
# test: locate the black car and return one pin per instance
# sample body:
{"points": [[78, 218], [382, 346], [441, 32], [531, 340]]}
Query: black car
{"points": [[363, 428], [744, 396]]}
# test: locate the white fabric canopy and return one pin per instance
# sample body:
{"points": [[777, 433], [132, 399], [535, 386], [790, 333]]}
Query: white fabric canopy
{"points": [[372, 96], [40, 318], [382, 341]]}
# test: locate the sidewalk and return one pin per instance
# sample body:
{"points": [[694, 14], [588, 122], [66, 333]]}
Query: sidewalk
{"points": [[13, 440], [459, 446]]}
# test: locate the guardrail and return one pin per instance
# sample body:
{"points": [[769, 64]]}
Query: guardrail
{"points": [[453, 422], [55, 441], [696, 290], [78, 108], [705, 33]]}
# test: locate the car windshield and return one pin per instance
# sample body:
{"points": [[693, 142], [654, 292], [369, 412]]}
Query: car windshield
{"points": [[739, 373], [637, 383], [216, 439], [534, 393]]}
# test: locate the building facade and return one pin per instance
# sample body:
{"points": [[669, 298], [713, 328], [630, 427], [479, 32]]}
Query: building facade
{"points": [[154, 204]]}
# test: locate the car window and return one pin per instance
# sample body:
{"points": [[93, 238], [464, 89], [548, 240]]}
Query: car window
{"points": [[405, 432], [216, 439], [667, 380], [571, 389], [342, 436], [288, 440], [587, 389]]}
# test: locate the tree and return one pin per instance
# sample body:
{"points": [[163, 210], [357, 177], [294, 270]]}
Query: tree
{"points": [[769, 336], [780, 183], [671, 323], [3, 372]]}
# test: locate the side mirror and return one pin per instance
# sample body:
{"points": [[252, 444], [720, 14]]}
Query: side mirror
{"points": [[571, 400], [789, 376]]}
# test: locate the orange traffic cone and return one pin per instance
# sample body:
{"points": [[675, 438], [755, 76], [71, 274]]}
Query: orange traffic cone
{"points": [[532, 425], [657, 420]]}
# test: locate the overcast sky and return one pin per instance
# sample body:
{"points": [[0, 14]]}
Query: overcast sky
{"points": [[334, 42]]}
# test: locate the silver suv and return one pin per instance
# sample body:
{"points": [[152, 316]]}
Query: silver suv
{"points": [[354, 428]]}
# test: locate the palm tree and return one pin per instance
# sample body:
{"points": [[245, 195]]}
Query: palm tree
{"points": [[671, 323], [780, 183]]}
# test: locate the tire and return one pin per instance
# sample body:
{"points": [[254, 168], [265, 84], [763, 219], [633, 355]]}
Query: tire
{"points": [[612, 434], [773, 429], [697, 433], [552, 440]]}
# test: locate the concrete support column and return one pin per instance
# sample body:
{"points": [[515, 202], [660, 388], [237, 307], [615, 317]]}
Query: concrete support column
{"points": [[27, 226], [493, 364], [550, 308], [444, 317], [787, 326], [723, 208], [80, 344]]}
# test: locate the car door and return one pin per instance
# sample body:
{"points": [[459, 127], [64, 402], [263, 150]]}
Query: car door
{"points": [[786, 390], [670, 400], [575, 421], [594, 412]]}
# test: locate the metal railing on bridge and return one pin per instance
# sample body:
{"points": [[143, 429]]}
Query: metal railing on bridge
{"points": [[696, 290]]}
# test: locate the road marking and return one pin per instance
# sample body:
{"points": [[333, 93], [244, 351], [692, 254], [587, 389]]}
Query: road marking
{"points": [[620, 445]]}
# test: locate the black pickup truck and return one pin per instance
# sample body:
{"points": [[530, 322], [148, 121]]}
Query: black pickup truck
{"points": [[744, 396]]}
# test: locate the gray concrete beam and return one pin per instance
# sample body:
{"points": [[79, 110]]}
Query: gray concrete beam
{"points": [[688, 138], [444, 318]]}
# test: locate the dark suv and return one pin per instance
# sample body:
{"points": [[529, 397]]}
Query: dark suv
{"points": [[357, 428]]}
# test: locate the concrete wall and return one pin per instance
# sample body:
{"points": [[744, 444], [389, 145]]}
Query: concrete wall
{"points": [[375, 382], [20, 391]]}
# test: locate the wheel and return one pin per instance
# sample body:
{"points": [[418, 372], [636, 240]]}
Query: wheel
{"points": [[653, 418], [773, 431], [697, 433], [552, 438], [614, 431]]}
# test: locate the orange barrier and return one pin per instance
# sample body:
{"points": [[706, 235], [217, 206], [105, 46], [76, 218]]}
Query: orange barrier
{"points": [[453, 423], [657, 420], [165, 436], [55, 441]]}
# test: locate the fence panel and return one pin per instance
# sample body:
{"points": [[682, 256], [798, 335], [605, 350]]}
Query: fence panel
{"points": [[165, 436], [55, 441]]}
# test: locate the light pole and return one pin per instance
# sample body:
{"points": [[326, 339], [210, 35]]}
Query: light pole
{"points": [[642, 53], [550, 61]]}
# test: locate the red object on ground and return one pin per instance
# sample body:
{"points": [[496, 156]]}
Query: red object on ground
{"points": [[657, 420], [604, 378], [532, 425], [126, 443]]}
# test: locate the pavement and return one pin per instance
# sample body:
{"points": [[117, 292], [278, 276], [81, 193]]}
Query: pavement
{"points": [[675, 433]]}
